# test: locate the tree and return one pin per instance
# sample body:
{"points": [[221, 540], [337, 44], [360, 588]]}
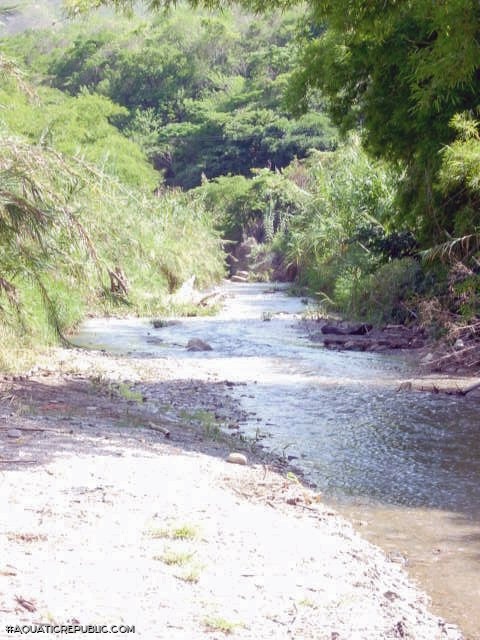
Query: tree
{"points": [[196, 108], [399, 70]]}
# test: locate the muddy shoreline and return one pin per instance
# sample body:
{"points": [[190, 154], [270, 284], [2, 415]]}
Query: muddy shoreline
{"points": [[269, 559]]}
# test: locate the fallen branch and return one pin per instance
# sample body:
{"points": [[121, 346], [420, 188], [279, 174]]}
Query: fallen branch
{"points": [[118, 282], [471, 329], [454, 354], [209, 299], [2, 461], [29, 605], [156, 427], [25, 429]]}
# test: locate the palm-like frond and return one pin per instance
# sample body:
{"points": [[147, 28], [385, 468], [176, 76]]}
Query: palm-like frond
{"points": [[453, 250], [38, 227]]}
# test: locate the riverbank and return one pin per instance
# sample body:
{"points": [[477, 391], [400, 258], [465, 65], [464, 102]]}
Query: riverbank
{"points": [[111, 521], [442, 366]]}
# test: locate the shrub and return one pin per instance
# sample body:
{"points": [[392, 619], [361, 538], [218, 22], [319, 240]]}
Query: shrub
{"points": [[384, 295]]}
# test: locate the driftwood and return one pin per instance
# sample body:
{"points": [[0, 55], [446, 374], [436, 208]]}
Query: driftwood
{"points": [[449, 387], [29, 605], [454, 354], [211, 298], [157, 427], [2, 461], [25, 429], [118, 282]]}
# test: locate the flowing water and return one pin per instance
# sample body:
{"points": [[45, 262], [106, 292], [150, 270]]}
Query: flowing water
{"points": [[403, 466]]}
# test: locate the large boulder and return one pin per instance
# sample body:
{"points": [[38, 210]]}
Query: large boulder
{"points": [[195, 344], [359, 329]]}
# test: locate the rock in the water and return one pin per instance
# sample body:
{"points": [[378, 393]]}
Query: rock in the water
{"points": [[160, 323], [195, 344], [237, 458], [239, 279], [14, 433], [360, 329], [332, 329]]}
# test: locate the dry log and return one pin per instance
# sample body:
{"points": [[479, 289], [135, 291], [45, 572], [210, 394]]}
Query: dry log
{"points": [[157, 427]]}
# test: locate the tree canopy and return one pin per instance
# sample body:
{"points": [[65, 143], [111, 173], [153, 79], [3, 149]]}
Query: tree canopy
{"points": [[203, 93], [398, 70]]}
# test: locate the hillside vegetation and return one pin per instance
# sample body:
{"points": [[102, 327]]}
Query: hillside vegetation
{"points": [[344, 139]]}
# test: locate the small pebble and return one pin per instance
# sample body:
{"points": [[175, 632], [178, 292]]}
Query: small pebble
{"points": [[14, 433], [237, 458]]}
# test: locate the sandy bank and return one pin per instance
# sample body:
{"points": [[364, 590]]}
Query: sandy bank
{"points": [[105, 521]]}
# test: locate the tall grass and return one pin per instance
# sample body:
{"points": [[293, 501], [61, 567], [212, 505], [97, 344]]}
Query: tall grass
{"points": [[65, 227]]}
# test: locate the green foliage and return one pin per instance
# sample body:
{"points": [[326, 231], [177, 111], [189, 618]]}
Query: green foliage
{"points": [[66, 224], [78, 126], [382, 296], [203, 96], [349, 192], [203, 93], [400, 71], [260, 207], [459, 175]]}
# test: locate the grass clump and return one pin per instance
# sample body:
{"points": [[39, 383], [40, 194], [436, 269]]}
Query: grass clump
{"points": [[306, 602], [206, 420], [191, 576], [128, 394], [175, 558], [217, 623], [176, 532]]}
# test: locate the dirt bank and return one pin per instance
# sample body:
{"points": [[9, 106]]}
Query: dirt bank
{"points": [[106, 520]]}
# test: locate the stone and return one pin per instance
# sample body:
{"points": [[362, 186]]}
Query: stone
{"points": [[428, 358], [159, 323], [360, 329], [238, 279], [332, 329], [14, 433], [195, 344], [237, 458]]}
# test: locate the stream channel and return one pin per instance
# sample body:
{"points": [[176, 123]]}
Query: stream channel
{"points": [[404, 467]]}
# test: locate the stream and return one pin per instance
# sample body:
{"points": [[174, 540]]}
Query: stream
{"points": [[404, 467]]}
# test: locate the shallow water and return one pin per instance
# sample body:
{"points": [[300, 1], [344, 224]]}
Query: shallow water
{"points": [[404, 466]]}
